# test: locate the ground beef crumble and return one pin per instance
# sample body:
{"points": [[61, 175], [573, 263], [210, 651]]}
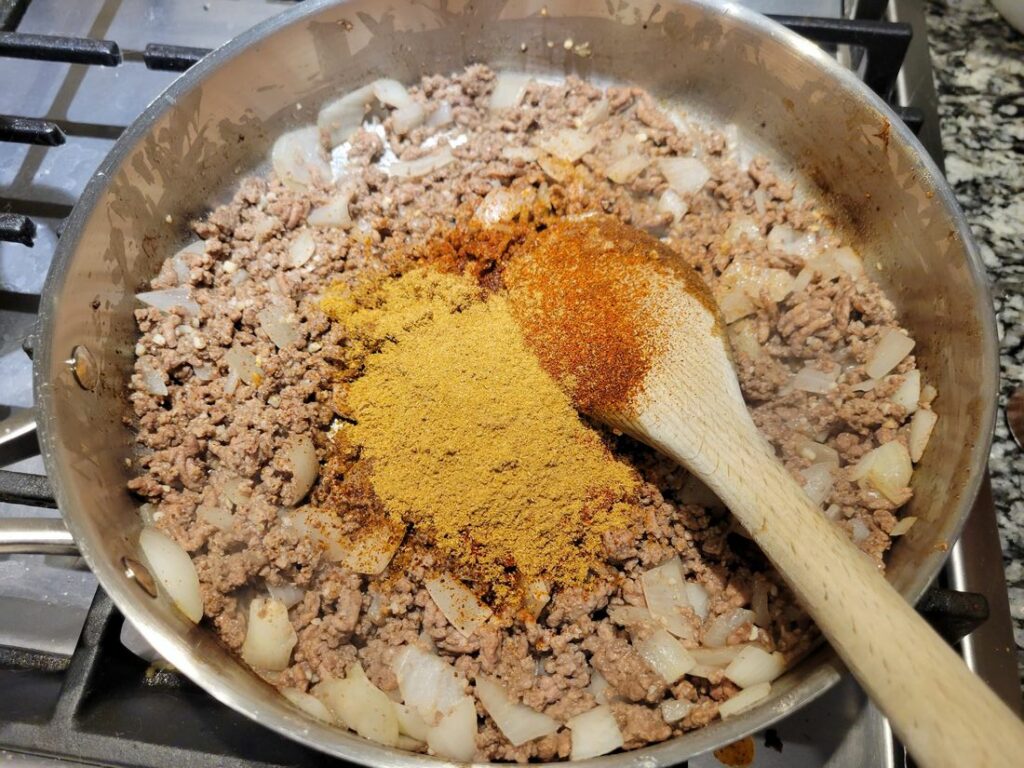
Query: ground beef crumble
{"points": [[212, 465]]}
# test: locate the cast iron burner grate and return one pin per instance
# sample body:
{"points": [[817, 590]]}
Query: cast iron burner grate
{"points": [[104, 705]]}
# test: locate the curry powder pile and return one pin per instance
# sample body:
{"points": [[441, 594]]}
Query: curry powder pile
{"points": [[468, 439]]}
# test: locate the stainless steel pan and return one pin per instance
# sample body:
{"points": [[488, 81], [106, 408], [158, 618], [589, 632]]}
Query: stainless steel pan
{"points": [[217, 121]]}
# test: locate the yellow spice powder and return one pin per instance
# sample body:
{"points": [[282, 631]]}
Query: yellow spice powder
{"points": [[469, 439]]}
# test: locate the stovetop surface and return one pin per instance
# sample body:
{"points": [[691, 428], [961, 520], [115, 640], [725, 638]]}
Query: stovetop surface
{"points": [[70, 691]]}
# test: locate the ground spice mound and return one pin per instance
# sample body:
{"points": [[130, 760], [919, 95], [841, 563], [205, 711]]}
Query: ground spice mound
{"points": [[469, 440]]}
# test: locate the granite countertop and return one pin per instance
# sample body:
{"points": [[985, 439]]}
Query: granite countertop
{"points": [[979, 72]]}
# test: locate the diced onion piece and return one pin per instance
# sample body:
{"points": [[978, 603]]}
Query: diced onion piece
{"points": [[666, 656], [370, 550], [594, 733], [341, 118], [745, 275], [734, 304], [686, 175], [457, 602], [625, 169], [174, 570], [742, 227], [716, 657], [859, 531], [921, 426], [300, 250], [299, 159], [391, 92], [299, 456], [665, 593], [361, 706], [409, 744], [803, 279], [427, 682], [308, 703], [815, 452], [928, 393], [744, 700], [847, 260], [168, 298], [153, 380], [759, 604], [509, 89], [405, 118], [596, 113], [909, 392], [760, 200], [674, 710], [754, 665], [903, 525], [286, 593], [204, 372], [559, 170], [421, 166], [537, 595], [717, 631], [818, 482], [832, 512], [499, 205], [526, 154], [888, 468], [410, 723], [441, 116], [270, 636], [333, 213], [811, 379], [865, 386], [455, 736], [599, 687], [238, 277], [567, 144], [275, 322], [179, 261], [216, 515], [888, 353], [697, 595], [631, 616], [671, 203], [242, 363], [785, 239], [518, 722]]}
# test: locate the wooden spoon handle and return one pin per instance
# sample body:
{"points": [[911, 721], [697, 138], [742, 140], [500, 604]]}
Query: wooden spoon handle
{"points": [[943, 713]]}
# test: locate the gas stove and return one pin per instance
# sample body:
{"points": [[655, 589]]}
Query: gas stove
{"points": [[79, 685]]}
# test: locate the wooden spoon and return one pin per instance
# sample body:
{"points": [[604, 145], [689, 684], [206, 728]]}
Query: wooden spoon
{"points": [[586, 291]]}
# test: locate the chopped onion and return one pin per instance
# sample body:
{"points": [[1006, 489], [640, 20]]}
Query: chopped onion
{"points": [[785, 239], [744, 700], [909, 392], [410, 723], [745, 275], [599, 687], [847, 260], [665, 592], [179, 263], [231, 382], [153, 380], [815, 452], [333, 213], [518, 722], [204, 372], [300, 460], [698, 598], [888, 468], [361, 706], [865, 386], [832, 512], [369, 550], [754, 665], [716, 657], [631, 616], [457, 602], [242, 363], [274, 322], [803, 279], [559, 170], [818, 482], [921, 426], [928, 393], [509, 89], [441, 116], [625, 169], [671, 203], [888, 353], [405, 118], [596, 113], [216, 515], [288, 594], [308, 703], [341, 118], [759, 603], [567, 144], [734, 304], [594, 733], [904, 525], [666, 656], [811, 379], [421, 166], [859, 532], [270, 636], [300, 250], [391, 92], [455, 736], [168, 298], [299, 159], [238, 277], [743, 227], [173, 570], [427, 682], [537, 594], [409, 744], [717, 631], [686, 175], [500, 204], [674, 710], [526, 154]]}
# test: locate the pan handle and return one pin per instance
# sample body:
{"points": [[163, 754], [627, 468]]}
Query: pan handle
{"points": [[35, 536]]}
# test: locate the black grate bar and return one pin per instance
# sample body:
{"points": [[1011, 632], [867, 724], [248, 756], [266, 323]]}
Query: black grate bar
{"points": [[71, 50], [912, 116], [30, 130], [885, 44], [11, 12], [953, 614], [15, 228], [31, 490], [172, 58]]}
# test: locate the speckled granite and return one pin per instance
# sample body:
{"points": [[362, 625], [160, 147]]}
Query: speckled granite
{"points": [[979, 72]]}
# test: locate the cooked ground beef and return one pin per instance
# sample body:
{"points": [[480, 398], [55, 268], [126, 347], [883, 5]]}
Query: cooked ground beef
{"points": [[213, 467]]}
